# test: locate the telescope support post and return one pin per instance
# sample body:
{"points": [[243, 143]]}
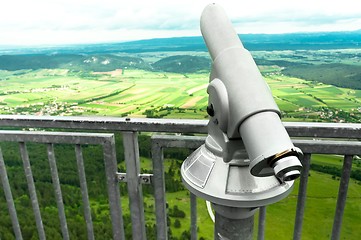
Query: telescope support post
{"points": [[233, 223]]}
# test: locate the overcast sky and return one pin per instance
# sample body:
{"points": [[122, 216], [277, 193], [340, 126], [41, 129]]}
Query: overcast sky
{"points": [[29, 22]]}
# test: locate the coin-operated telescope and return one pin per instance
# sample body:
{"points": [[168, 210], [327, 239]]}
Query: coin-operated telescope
{"points": [[248, 159]]}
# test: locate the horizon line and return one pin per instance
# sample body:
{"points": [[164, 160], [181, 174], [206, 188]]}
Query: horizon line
{"points": [[50, 45]]}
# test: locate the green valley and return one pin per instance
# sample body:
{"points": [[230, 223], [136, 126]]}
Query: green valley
{"points": [[138, 92], [168, 79]]}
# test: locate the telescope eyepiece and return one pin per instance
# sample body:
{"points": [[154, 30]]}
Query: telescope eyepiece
{"points": [[287, 168]]}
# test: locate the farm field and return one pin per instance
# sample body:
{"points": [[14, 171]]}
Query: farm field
{"points": [[140, 93], [131, 94]]}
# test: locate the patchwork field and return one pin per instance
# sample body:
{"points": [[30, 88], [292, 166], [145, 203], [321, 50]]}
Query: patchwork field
{"points": [[140, 93]]}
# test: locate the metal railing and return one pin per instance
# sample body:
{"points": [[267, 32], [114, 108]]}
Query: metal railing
{"points": [[77, 139], [324, 138]]}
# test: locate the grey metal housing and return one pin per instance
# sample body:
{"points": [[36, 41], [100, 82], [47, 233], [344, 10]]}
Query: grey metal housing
{"points": [[242, 102]]}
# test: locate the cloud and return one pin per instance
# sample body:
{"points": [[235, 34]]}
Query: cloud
{"points": [[67, 21], [297, 16]]}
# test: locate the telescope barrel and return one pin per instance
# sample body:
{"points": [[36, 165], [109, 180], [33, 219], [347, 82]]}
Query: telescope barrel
{"points": [[242, 103], [247, 92], [217, 31]]}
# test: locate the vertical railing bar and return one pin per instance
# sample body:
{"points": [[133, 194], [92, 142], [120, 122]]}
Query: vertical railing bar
{"points": [[342, 195], [32, 191], [159, 192], [84, 191], [193, 216], [302, 194], [135, 192], [261, 222], [110, 163], [57, 189], [9, 198]]}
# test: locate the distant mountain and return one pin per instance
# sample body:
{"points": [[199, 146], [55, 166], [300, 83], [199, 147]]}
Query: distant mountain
{"points": [[253, 42], [302, 41], [289, 41]]}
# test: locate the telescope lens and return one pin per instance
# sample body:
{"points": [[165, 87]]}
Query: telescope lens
{"points": [[287, 168], [292, 175]]}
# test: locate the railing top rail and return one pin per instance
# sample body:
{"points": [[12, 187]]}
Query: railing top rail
{"points": [[323, 130], [56, 137], [295, 129], [106, 123], [308, 146]]}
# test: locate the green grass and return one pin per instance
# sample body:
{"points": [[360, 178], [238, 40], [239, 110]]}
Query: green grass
{"points": [[286, 106], [332, 161], [320, 205], [322, 192], [320, 209]]}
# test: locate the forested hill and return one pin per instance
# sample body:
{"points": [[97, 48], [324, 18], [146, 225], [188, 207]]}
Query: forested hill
{"points": [[77, 62], [291, 41]]}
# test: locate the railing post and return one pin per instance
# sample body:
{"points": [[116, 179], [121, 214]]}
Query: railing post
{"points": [[159, 191], [84, 192], [9, 198], [301, 202], [32, 191], [110, 162], [342, 194], [131, 153], [193, 216], [58, 194], [261, 222]]}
